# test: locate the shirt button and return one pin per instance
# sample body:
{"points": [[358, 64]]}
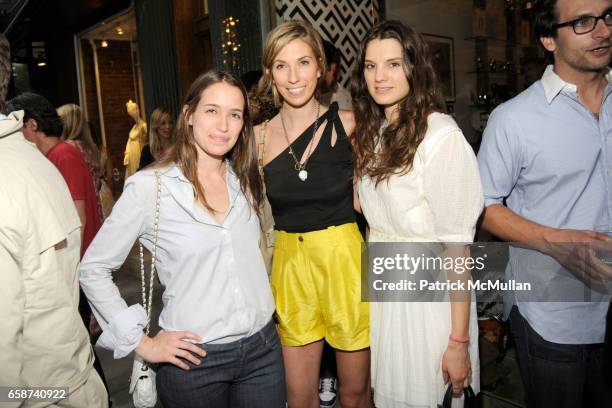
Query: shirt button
{"points": [[300, 238]]}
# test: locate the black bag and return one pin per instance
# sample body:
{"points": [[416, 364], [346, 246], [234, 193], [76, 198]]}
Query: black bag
{"points": [[470, 400]]}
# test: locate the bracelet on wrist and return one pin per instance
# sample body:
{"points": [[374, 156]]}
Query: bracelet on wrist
{"points": [[459, 339]]}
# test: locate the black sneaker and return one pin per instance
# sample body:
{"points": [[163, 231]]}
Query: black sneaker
{"points": [[328, 391]]}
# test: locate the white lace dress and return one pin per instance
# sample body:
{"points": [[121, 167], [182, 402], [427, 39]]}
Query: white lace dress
{"points": [[439, 200]]}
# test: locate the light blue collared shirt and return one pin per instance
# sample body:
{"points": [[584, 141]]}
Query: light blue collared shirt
{"points": [[550, 158], [213, 275]]}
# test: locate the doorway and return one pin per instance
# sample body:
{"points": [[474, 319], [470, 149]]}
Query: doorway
{"points": [[109, 76]]}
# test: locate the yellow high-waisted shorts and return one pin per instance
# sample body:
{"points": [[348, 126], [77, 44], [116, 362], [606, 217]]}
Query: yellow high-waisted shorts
{"points": [[316, 282]]}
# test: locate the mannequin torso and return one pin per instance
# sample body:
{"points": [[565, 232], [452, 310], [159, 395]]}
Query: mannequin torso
{"points": [[136, 139]]}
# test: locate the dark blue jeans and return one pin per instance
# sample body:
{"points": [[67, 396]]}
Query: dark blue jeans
{"points": [[245, 373], [559, 375]]}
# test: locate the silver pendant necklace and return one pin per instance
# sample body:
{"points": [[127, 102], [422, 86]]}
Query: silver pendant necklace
{"points": [[299, 166]]}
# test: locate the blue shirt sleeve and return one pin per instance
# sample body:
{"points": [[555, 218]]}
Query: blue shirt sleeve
{"points": [[500, 157]]}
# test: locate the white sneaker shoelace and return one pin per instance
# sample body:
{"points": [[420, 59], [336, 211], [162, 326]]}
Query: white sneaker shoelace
{"points": [[327, 389]]}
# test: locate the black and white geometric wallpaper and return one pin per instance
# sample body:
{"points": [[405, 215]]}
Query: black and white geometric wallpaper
{"points": [[344, 23]]}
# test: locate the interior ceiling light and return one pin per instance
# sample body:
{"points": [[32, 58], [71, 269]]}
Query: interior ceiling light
{"points": [[41, 61]]}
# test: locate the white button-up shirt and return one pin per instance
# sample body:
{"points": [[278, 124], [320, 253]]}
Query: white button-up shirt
{"points": [[214, 278]]}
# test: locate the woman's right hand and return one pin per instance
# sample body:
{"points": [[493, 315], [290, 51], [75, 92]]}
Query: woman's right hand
{"points": [[167, 347]]}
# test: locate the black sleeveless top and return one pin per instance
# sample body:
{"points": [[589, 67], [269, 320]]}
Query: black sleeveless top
{"points": [[325, 198]]}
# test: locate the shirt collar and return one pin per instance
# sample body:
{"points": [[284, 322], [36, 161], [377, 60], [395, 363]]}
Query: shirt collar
{"points": [[179, 191], [554, 85], [173, 171]]}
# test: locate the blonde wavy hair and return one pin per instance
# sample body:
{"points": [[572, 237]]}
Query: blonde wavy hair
{"points": [[282, 35], [76, 128], [157, 117]]}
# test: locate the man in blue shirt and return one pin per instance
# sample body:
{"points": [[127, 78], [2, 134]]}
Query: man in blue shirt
{"points": [[548, 154]]}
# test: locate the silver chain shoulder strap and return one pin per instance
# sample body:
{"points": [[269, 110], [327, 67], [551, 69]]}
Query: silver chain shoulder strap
{"points": [[147, 305], [260, 152]]}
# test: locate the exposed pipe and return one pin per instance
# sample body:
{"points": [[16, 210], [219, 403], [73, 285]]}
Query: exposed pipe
{"points": [[265, 13], [82, 87], [14, 19], [98, 91]]}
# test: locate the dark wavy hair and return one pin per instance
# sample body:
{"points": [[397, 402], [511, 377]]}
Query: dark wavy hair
{"points": [[544, 18], [398, 143], [39, 108], [242, 157]]}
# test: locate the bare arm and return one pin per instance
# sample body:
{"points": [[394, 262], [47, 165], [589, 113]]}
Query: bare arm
{"points": [[456, 363], [257, 133], [348, 121], [580, 258], [507, 225], [460, 300], [356, 203]]}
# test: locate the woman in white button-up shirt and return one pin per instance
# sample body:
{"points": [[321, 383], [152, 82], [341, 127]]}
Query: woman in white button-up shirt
{"points": [[218, 345]]}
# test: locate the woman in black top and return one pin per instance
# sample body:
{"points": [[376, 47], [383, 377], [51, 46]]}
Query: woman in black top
{"points": [[161, 137], [308, 168]]}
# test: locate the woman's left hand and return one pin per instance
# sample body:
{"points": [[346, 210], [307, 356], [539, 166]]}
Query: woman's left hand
{"points": [[456, 366]]}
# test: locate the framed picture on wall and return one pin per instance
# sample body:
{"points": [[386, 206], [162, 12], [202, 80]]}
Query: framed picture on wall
{"points": [[443, 52]]}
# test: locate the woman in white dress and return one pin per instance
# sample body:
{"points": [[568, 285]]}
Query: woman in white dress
{"points": [[418, 182]]}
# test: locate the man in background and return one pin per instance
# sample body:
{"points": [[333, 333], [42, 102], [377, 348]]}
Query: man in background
{"points": [[329, 88], [545, 165], [42, 126]]}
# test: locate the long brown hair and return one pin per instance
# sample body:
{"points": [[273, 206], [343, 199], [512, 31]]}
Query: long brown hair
{"points": [[242, 157], [154, 124], [282, 35], [76, 128], [393, 151]]}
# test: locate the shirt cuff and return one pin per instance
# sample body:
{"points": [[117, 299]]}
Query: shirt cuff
{"points": [[491, 201], [124, 332]]}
